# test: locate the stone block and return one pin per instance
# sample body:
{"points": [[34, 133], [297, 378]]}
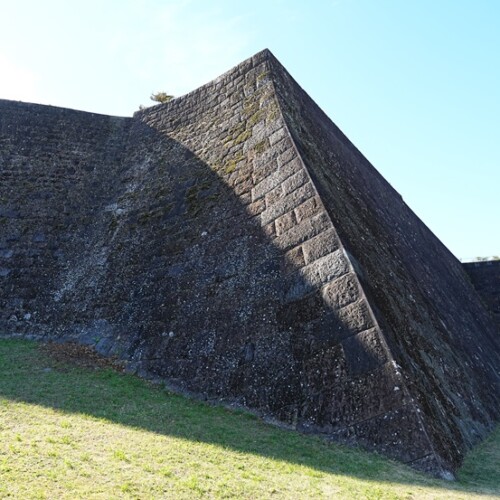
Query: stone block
{"points": [[325, 332], [246, 198], [293, 260], [332, 266], [285, 222], [364, 352], [302, 232], [321, 245], [308, 208], [316, 274], [269, 229], [276, 178], [256, 207], [274, 195], [243, 187], [262, 169], [356, 316], [244, 171], [294, 182], [277, 136], [288, 203], [341, 292], [293, 315], [286, 157]]}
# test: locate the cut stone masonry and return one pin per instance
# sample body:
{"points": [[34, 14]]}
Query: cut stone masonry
{"points": [[235, 244]]}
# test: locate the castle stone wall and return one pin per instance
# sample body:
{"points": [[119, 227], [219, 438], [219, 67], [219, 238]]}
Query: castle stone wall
{"points": [[235, 244], [429, 313], [57, 167]]}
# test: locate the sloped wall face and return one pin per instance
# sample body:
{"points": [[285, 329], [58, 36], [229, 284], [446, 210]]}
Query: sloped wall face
{"points": [[252, 323], [170, 240], [285, 327], [485, 277], [435, 325], [56, 168]]}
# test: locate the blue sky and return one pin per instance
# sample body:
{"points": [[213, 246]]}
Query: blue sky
{"points": [[414, 84]]}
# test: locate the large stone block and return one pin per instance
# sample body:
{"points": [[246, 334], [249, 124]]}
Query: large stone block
{"points": [[275, 179], [342, 291], [287, 203]]}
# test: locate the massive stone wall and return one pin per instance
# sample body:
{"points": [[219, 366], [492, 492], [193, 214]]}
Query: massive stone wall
{"points": [[234, 243]]}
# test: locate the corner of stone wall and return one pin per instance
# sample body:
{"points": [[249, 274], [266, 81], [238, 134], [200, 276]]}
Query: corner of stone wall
{"points": [[293, 215]]}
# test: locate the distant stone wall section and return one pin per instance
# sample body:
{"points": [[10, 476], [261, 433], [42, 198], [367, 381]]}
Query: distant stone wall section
{"points": [[57, 168], [485, 277]]}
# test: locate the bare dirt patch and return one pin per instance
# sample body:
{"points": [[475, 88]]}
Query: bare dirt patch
{"points": [[80, 355]]}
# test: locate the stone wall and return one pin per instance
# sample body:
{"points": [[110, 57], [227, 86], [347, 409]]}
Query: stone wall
{"points": [[57, 168], [233, 242], [485, 277], [430, 315]]}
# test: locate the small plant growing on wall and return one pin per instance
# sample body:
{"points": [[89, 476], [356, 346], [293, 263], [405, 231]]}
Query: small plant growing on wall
{"points": [[161, 97]]}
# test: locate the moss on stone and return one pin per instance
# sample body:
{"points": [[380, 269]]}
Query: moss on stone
{"points": [[196, 196], [256, 117], [261, 76], [231, 167], [243, 137], [272, 113], [261, 146], [250, 106]]}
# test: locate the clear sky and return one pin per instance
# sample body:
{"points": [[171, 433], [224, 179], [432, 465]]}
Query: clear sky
{"points": [[415, 84]]}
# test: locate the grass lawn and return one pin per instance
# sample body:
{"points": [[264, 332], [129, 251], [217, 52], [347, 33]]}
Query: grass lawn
{"points": [[72, 432]]}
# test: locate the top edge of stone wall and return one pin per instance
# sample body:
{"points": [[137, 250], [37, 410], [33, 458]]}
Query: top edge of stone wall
{"points": [[33, 107], [221, 80]]}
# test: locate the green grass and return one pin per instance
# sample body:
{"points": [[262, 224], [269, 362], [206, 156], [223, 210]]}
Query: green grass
{"points": [[69, 432]]}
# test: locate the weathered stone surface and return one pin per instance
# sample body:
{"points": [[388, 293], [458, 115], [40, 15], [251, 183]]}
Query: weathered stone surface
{"points": [[364, 352], [275, 179], [386, 432], [235, 243], [285, 222], [326, 242], [431, 319], [302, 232], [342, 291], [314, 275], [287, 203], [356, 317], [485, 276], [308, 208], [294, 259]]}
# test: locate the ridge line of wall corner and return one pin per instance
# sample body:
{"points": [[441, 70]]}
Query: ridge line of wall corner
{"points": [[353, 270]]}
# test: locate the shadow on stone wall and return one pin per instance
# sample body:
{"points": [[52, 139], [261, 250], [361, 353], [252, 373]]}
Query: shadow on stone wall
{"points": [[172, 267]]}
